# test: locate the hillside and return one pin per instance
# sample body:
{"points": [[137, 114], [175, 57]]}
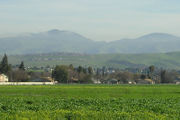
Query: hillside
{"points": [[65, 41], [151, 43], [164, 60], [47, 42]]}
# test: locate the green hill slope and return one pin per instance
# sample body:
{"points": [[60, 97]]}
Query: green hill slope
{"points": [[164, 60]]}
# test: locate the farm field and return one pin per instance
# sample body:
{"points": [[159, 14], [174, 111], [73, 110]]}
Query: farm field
{"points": [[91, 102]]}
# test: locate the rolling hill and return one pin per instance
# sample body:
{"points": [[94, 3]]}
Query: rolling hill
{"points": [[65, 41], [162, 60], [47, 42], [151, 43]]}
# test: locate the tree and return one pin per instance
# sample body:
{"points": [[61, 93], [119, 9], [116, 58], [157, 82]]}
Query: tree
{"points": [[167, 76], [98, 75], [151, 70], [124, 77], [136, 77], [72, 74], [143, 77], [71, 67], [80, 69], [4, 66], [90, 70], [84, 78], [163, 76], [103, 70], [84, 71], [21, 67], [60, 74], [19, 76]]}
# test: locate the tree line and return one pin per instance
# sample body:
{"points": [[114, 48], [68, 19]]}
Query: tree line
{"points": [[80, 74], [69, 74], [19, 74]]}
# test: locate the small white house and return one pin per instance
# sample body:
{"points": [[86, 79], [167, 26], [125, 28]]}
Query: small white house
{"points": [[3, 78], [177, 83]]}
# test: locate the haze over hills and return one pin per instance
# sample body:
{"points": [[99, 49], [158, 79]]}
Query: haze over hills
{"points": [[47, 42], [65, 41], [151, 43]]}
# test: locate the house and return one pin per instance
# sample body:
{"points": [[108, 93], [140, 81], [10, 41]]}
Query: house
{"points": [[3, 78], [131, 82], [177, 83], [74, 80], [96, 81]]}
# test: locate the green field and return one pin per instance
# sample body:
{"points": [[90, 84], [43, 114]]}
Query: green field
{"points": [[91, 102]]}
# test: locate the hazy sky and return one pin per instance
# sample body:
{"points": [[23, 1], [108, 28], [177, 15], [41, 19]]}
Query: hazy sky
{"points": [[96, 19]]}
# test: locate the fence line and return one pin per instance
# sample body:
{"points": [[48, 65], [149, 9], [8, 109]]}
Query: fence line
{"points": [[27, 83]]}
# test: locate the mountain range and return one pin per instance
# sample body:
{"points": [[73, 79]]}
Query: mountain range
{"points": [[66, 41]]}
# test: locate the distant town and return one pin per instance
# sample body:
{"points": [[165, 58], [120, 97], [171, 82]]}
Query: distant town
{"points": [[69, 74]]}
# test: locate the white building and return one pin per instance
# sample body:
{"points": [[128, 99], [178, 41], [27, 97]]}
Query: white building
{"points": [[3, 78]]}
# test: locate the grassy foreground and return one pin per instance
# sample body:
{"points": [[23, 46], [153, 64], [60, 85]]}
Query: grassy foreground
{"points": [[91, 102]]}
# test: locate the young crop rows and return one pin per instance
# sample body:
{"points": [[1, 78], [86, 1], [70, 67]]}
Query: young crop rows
{"points": [[89, 102]]}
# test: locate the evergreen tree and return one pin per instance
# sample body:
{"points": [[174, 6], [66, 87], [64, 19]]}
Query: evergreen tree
{"points": [[4, 66], [21, 67]]}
